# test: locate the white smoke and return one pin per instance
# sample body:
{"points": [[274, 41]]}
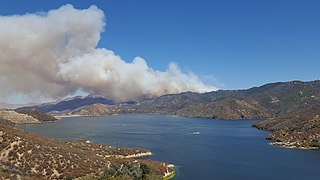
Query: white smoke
{"points": [[54, 54]]}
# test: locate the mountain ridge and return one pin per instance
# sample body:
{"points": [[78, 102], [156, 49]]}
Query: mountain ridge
{"points": [[69, 104], [266, 101]]}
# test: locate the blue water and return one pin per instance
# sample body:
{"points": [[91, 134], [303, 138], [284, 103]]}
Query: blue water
{"points": [[221, 150]]}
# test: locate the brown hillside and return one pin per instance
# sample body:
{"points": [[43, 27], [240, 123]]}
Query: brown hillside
{"points": [[226, 109], [300, 129], [93, 110]]}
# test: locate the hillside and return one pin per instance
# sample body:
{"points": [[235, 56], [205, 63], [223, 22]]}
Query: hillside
{"points": [[226, 109], [25, 116], [6, 122], [298, 130], [43, 117], [30, 156], [16, 117], [93, 110], [285, 98]]}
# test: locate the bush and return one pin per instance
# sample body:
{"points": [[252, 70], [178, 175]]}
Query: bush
{"points": [[128, 170], [107, 152], [315, 143]]}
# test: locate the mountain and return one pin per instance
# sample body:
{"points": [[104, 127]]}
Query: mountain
{"points": [[267, 101], [70, 104], [286, 98]]}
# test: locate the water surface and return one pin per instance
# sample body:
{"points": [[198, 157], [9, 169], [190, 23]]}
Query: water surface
{"points": [[200, 148]]}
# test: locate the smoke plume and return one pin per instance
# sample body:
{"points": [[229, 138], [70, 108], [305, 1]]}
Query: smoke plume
{"points": [[54, 54]]}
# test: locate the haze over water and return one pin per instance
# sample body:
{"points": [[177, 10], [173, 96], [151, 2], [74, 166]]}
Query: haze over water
{"points": [[199, 148]]}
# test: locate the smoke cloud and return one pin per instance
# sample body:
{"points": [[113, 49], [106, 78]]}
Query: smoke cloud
{"points": [[53, 54]]}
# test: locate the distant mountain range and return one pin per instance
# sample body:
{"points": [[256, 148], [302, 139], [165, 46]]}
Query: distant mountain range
{"points": [[70, 104], [267, 101]]}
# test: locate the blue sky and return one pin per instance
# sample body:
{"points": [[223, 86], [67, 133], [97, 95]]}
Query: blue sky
{"points": [[233, 44]]}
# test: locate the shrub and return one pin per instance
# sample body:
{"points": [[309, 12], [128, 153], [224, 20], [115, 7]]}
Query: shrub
{"points": [[315, 143]]}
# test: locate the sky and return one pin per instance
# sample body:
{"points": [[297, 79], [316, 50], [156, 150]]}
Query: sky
{"points": [[229, 44]]}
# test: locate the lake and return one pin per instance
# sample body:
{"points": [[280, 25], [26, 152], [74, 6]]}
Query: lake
{"points": [[199, 148]]}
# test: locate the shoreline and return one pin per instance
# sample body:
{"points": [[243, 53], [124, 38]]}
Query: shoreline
{"points": [[289, 146], [63, 116], [169, 174], [139, 155]]}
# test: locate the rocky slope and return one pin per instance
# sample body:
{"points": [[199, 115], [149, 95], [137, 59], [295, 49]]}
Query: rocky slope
{"points": [[40, 116], [25, 116], [29, 156], [16, 117], [6, 122], [296, 130], [93, 110]]}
